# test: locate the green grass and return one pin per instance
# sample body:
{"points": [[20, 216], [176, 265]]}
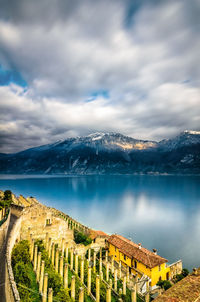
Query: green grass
{"points": [[34, 294]]}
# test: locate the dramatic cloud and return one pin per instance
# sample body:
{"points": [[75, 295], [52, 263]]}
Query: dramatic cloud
{"points": [[98, 66]]}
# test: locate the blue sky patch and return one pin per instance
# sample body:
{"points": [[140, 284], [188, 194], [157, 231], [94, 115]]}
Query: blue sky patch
{"points": [[11, 76], [99, 93]]}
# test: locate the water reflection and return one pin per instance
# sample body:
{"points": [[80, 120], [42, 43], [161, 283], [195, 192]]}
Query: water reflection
{"points": [[162, 212]]}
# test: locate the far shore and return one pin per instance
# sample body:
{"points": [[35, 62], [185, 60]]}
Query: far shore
{"points": [[21, 176]]}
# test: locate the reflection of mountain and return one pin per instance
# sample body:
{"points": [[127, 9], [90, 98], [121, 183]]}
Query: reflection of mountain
{"points": [[107, 153]]}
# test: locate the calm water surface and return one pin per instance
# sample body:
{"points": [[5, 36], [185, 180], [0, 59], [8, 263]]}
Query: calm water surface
{"points": [[161, 212]]}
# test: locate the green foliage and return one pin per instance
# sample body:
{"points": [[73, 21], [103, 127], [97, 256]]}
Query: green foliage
{"points": [[4, 219], [7, 200], [62, 296], [7, 195], [183, 274], [54, 280], [165, 284], [44, 254], [178, 278], [21, 274], [24, 274], [20, 253], [24, 293], [81, 238]]}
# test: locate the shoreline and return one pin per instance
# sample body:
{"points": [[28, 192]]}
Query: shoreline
{"points": [[24, 176]]}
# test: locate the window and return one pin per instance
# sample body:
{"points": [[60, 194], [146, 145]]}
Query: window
{"points": [[124, 257], [135, 264], [48, 221], [159, 268], [160, 278]]}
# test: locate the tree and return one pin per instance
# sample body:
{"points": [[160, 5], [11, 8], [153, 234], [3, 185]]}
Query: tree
{"points": [[7, 199], [7, 195]]}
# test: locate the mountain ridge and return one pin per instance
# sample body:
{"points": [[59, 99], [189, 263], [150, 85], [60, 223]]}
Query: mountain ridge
{"points": [[108, 153]]}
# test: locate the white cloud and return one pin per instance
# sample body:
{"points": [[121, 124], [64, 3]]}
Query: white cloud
{"points": [[150, 69]]}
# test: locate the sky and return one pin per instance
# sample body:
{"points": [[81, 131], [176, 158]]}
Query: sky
{"points": [[70, 68]]}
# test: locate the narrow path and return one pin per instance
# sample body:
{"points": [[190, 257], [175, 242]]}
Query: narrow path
{"points": [[13, 218]]}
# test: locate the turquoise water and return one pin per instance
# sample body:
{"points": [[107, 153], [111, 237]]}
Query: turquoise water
{"points": [[161, 212]]}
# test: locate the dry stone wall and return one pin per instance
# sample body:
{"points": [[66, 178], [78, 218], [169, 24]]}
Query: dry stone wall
{"points": [[3, 232], [11, 291], [17, 210], [39, 220]]}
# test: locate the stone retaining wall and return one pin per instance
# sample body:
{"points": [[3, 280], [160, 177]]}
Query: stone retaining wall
{"points": [[17, 210], [11, 291], [3, 232], [39, 220]]}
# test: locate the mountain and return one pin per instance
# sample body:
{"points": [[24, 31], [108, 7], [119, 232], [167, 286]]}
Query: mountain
{"points": [[186, 138], [108, 153]]}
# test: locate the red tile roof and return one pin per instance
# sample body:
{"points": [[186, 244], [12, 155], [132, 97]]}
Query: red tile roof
{"points": [[133, 250], [186, 290], [94, 234]]}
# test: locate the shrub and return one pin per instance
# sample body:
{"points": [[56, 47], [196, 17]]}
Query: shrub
{"points": [[20, 253], [183, 274], [81, 238], [165, 284], [23, 273], [62, 296]]}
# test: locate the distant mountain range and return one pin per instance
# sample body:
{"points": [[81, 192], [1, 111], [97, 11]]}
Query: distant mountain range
{"points": [[108, 153]]}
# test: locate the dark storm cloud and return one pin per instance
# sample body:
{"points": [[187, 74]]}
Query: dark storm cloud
{"points": [[145, 56]]}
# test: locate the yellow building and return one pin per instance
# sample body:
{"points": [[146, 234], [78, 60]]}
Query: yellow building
{"points": [[139, 260]]}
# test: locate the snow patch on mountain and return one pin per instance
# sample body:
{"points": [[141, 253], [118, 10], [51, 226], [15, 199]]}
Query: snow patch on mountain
{"points": [[192, 132]]}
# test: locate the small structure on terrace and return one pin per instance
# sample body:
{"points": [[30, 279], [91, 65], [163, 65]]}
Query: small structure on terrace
{"points": [[98, 237]]}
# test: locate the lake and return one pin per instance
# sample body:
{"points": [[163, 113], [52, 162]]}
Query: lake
{"points": [[161, 212]]}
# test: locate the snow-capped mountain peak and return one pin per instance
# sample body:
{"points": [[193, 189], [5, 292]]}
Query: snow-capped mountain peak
{"points": [[185, 138], [102, 153], [96, 136]]}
